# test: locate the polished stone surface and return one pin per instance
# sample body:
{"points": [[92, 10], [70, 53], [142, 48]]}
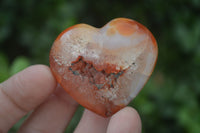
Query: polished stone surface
{"points": [[103, 69]]}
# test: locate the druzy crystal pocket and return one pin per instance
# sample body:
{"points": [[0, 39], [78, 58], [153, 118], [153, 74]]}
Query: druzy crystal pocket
{"points": [[103, 69]]}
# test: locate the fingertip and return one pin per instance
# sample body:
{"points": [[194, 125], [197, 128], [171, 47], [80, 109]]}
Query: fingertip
{"points": [[126, 120], [32, 85], [23, 92], [42, 76], [129, 112], [98, 124], [38, 81]]}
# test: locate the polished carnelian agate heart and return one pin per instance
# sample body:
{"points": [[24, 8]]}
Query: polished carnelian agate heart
{"points": [[104, 69]]}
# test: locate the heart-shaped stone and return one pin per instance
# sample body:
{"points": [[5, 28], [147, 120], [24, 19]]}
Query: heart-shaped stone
{"points": [[104, 69]]}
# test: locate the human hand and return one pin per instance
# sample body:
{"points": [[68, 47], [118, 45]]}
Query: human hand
{"points": [[35, 89]]}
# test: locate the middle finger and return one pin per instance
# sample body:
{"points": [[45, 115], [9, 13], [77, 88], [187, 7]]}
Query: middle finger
{"points": [[52, 116]]}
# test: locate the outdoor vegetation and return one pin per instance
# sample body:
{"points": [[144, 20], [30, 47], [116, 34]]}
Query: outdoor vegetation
{"points": [[169, 102]]}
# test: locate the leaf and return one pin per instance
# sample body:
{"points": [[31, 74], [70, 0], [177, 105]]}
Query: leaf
{"points": [[19, 64], [3, 67]]}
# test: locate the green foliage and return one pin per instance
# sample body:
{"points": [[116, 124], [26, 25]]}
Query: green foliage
{"points": [[169, 102], [4, 73], [17, 65]]}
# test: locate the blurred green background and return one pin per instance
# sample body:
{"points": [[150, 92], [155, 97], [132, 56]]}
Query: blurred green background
{"points": [[169, 102]]}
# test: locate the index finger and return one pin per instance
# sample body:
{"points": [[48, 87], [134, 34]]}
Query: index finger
{"points": [[23, 92]]}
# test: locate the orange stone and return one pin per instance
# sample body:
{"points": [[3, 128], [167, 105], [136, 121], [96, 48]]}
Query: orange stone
{"points": [[104, 69]]}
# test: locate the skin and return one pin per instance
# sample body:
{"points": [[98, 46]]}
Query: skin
{"points": [[35, 90]]}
